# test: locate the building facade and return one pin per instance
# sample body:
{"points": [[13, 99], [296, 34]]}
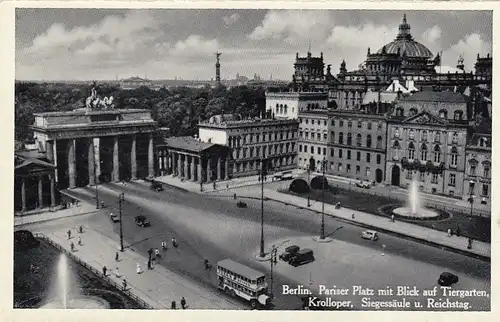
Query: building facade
{"points": [[477, 179], [287, 105], [253, 140], [313, 138], [426, 142], [89, 146]]}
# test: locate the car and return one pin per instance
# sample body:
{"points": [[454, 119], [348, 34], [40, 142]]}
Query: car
{"points": [[303, 256], [484, 201], [114, 217], [447, 279], [289, 252], [142, 221], [363, 184], [156, 186], [241, 204], [369, 234]]}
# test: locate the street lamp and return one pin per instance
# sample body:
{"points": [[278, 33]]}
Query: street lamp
{"points": [[274, 260], [96, 180], [323, 179], [121, 199], [262, 174]]}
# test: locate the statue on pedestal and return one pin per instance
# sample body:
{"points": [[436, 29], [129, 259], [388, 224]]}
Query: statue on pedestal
{"points": [[94, 101]]}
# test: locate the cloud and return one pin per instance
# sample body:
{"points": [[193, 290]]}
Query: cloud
{"points": [[362, 37], [194, 46], [432, 35], [293, 26], [468, 47], [229, 20]]}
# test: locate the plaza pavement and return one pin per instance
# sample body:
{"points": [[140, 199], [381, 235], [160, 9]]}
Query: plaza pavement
{"points": [[422, 234], [157, 287]]}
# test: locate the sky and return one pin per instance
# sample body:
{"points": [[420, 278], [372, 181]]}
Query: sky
{"points": [[105, 44]]}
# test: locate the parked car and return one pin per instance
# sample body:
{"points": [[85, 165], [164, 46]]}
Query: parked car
{"points": [[303, 256], [447, 279], [363, 184], [369, 234], [114, 217], [241, 204], [156, 186], [289, 252], [484, 201], [142, 221]]}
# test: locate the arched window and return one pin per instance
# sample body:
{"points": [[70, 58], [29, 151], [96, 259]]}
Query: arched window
{"points": [[457, 115], [341, 138], [411, 151], [349, 139], [443, 114], [454, 157], [454, 138], [437, 154], [308, 107], [281, 109], [396, 150], [379, 142], [423, 152], [286, 109], [368, 141], [358, 140]]}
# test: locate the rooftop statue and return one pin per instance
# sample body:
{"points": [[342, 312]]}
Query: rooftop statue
{"points": [[95, 102]]}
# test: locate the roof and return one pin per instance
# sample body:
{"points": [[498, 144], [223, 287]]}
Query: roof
{"points": [[21, 162], [432, 96], [385, 97], [240, 268], [187, 143], [484, 127]]}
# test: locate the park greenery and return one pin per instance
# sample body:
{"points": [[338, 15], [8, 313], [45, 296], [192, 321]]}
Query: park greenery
{"points": [[179, 108]]}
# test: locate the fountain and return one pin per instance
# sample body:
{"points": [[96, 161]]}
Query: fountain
{"points": [[67, 297], [414, 209]]}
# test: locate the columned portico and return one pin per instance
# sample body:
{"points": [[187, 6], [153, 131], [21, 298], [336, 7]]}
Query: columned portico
{"points": [[151, 156], [209, 170], [116, 164], [186, 167], [71, 164], [91, 153], [200, 173], [193, 173], [133, 158], [219, 172]]}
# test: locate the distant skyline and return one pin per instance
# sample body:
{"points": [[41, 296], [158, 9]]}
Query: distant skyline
{"points": [[102, 44]]}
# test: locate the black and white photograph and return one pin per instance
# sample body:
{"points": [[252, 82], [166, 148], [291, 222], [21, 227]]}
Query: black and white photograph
{"points": [[252, 159]]}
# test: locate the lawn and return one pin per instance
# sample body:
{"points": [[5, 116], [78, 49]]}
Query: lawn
{"points": [[478, 228], [30, 289]]}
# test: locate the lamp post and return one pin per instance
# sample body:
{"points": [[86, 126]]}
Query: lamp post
{"points": [[262, 173], [96, 180], [274, 260], [323, 179], [121, 199]]}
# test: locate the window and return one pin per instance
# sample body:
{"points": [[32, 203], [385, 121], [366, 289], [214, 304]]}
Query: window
{"points": [[300, 148], [358, 169], [409, 175], [307, 135], [454, 157], [332, 136], [358, 156], [472, 170], [301, 134], [367, 171], [368, 141], [423, 152], [454, 138], [341, 123], [379, 158], [319, 150], [437, 154], [434, 178], [368, 157], [369, 126], [348, 154], [360, 124], [333, 122], [379, 142], [324, 151], [341, 138], [437, 137], [305, 148], [411, 151], [312, 121], [348, 168], [324, 122], [443, 114], [332, 152], [452, 180], [396, 133], [486, 172], [349, 124], [340, 153], [379, 126], [412, 135], [307, 121], [318, 136], [424, 136], [422, 176], [349, 139], [485, 190], [339, 167], [358, 140], [325, 136]]}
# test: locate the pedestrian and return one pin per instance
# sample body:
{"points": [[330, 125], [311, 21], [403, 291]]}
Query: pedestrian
{"points": [[392, 218], [79, 241], [234, 196], [183, 303], [138, 269], [150, 253], [157, 253], [80, 229], [469, 245], [72, 247], [449, 232], [172, 306], [117, 272], [149, 264], [104, 270], [102, 204], [174, 242], [352, 215], [458, 232], [163, 245], [124, 284], [214, 185], [69, 234], [117, 258]]}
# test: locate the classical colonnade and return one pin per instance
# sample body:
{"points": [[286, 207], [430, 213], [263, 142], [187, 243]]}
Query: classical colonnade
{"points": [[40, 180], [193, 167]]}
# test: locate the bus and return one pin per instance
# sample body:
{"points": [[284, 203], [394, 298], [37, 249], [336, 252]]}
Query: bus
{"points": [[239, 280]]}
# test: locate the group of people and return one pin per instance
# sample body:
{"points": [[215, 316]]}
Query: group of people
{"points": [[153, 254]]}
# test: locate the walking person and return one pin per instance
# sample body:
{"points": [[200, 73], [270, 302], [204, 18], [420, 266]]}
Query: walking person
{"points": [[352, 215], [117, 258], [80, 229], [150, 253], [174, 242], [104, 270], [214, 185], [72, 247], [138, 269], [392, 218], [457, 232], [163, 245], [157, 253], [183, 303], [172, 306], [124, 284], [79, 241], [117, 272], [69, 234], [449, 232], [149, 264]]}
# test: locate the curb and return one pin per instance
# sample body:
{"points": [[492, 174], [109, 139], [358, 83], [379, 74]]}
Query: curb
{"points": [[51, 219], [389, 232]]}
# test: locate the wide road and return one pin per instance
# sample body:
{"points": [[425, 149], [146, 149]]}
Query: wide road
{"points": [[212, 227]]}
